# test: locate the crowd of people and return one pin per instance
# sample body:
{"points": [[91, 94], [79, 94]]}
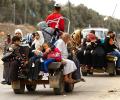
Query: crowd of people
{"points": [[32, 55]]}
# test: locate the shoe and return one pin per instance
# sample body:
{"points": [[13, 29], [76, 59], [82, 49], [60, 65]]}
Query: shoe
{"points": [[82, 79], [33, 65], [76, 81], [4, 82], [8, 83]]}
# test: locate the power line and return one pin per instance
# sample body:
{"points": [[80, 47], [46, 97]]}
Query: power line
{"points": [[114, 9]]}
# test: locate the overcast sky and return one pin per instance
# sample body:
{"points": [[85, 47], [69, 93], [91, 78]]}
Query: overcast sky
{"points": [[104, 7]]}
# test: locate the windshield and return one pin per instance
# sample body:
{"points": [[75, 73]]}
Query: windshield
{"points": [[99, 33]]}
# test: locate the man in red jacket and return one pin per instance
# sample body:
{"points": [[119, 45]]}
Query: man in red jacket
{"points": [[55, 20]]}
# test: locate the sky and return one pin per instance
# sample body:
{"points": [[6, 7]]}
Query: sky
{"points": [[104, 7]]}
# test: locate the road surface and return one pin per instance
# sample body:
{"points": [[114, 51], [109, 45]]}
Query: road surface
{"points": [[97, 87]]}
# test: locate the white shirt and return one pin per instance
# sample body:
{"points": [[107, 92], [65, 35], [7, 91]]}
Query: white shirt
{"points": [[60, 44]]}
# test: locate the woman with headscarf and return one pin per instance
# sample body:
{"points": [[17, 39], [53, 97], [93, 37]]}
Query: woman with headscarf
{"points": [[18, 32], [35, 55], [38, 41], [73, 48]]}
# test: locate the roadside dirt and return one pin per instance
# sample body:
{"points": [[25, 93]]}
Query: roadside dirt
{"points": [[9, 28]]}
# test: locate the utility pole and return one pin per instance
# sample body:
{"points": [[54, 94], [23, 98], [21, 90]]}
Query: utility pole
{"points": [[69, 13], [14, 12], [25, 14]]}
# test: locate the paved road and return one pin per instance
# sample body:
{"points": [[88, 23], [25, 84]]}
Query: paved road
{"points": [[97, 87]]}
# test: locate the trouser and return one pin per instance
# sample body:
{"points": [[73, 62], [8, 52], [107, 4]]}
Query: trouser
{"points": [[33, 70], [117, 54], [46, 63], [76, 74]]}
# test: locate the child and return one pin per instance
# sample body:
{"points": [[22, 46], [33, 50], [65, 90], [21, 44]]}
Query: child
{"points": [[51, 55], [19, 56]]}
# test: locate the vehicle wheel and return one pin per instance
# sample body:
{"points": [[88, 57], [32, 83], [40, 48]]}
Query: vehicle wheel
{"points": [[60, 90], [31, 88], [117, 72], [113, 74], [21, 89], [111, 68], [68, 87]]}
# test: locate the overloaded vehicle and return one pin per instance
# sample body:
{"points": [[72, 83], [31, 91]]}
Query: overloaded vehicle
{"points": [[92, 54], [20, 81]]}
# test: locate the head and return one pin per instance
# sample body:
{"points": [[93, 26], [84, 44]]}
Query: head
{"points": [[111, 34], [57, 7], [92, 31], [76, 36], [18, 32], [8, 36], [46, 46], [37, 36], [16, 40], [33, 36], [66, 37], [91, 37]]}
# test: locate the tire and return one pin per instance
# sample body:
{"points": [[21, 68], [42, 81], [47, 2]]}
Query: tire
{"points": [[111, 68], [31, 88], [111, 74], [68, 87], [117, 72], [60, 90], [21, 90], [114, 73]]}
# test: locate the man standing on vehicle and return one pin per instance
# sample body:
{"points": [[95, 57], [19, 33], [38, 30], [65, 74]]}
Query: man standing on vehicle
{"points": [[55, 19]]}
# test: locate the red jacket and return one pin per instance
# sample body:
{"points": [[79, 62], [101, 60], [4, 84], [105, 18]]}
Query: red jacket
{"points": [[53, 24], [56, 54]]}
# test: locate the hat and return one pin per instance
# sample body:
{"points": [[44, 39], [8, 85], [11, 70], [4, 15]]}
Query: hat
{"points": [[57, 5]]}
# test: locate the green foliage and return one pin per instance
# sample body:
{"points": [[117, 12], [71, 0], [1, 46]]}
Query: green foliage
{"points": [[37, 10]]}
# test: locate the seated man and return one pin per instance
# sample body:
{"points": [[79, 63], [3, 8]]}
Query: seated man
{"points": [[111, 48], [70, 66]]}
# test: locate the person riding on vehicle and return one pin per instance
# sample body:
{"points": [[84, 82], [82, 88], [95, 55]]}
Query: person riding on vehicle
{"points": [[55, 19], [111, 48]]}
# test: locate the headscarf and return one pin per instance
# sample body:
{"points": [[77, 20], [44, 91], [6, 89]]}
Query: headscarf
{"points": [[40, 41], [19, 31]]}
